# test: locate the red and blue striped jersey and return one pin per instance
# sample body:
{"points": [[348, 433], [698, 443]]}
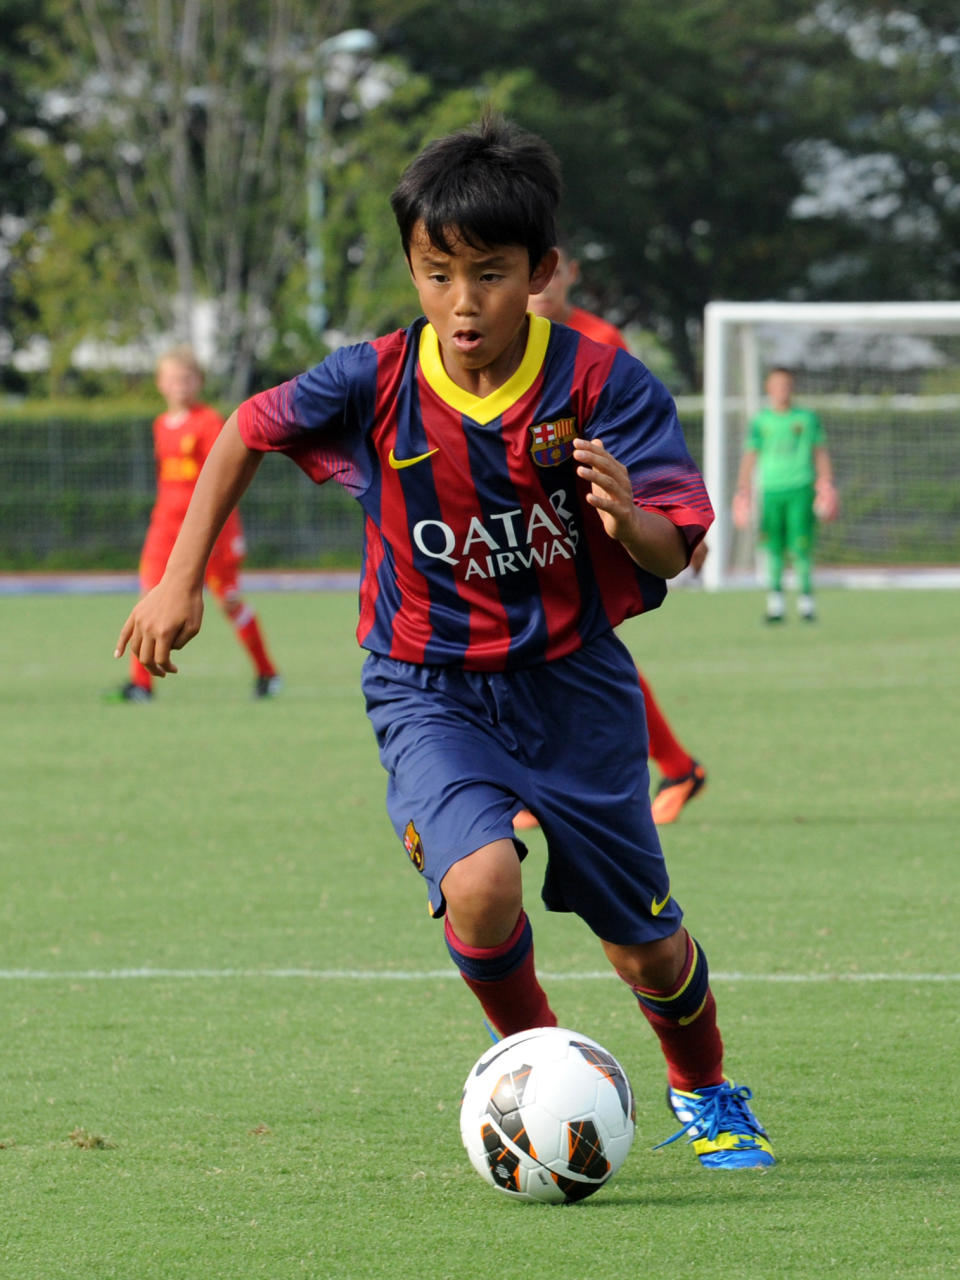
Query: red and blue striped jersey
{"points": [[479, 547]]}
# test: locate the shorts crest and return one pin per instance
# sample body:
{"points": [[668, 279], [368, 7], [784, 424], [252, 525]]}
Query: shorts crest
{"points": [[413, 845]]}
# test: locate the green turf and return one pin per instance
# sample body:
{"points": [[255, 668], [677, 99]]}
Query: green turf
{"points": [[246, 1123]]}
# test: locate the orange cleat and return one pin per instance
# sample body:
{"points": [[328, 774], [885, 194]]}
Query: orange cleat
{"points": [[673, 794]]}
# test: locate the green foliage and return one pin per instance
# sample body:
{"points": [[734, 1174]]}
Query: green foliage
{"points": [[766, 149], [274, 1118], [185, 143], [370, 280], [673, 124]]}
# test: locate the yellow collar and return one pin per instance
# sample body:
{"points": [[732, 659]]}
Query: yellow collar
{"points": [[484, 409]]}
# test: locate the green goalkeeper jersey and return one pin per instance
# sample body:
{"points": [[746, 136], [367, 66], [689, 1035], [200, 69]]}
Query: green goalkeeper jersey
{"points": [[785, 444]]}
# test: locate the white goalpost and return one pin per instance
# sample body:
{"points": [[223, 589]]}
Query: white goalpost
{"points": [[885, 381]]}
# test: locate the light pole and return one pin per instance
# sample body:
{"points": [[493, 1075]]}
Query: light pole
{"points": [[356, 41]]}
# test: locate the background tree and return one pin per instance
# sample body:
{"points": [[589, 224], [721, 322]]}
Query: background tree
{"points": [[24, 189], [884, 174], [770, 149], [674, 124], [181, 178]]}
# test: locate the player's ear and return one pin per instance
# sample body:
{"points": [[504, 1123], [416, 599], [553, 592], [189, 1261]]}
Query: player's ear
{"points": [[542, 273]]}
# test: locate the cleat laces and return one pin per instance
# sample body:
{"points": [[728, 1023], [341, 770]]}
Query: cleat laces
{"points": [[723, 1110]]}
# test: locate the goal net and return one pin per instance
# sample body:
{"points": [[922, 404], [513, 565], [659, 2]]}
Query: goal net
{"points": [[885, 380]]}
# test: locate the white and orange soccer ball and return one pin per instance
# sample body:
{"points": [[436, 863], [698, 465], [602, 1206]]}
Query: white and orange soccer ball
{"points": [[547, 1115]]}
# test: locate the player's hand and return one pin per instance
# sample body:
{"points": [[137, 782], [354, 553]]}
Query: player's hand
{"points": [[610, 489], [165, 619], [742, 510], [826, 503]]}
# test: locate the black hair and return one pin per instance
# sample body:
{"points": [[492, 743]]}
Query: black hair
{"points": [[491, 184]]}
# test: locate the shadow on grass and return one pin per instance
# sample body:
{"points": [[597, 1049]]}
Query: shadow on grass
{"points": [[795, 1177]]}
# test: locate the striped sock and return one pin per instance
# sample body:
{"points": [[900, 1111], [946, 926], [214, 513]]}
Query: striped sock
{"points": [[685, 1021], [503, 979]]}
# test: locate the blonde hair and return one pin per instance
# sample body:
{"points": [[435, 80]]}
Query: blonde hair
{"points": [[183, 355]]}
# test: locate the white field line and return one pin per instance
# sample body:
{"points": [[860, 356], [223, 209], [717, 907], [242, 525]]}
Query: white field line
{"points": [[422, 975]]}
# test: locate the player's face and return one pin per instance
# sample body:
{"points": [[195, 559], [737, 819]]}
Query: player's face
{"points": [[476, 300], [779, 391], [179, 384], [552, 300]]}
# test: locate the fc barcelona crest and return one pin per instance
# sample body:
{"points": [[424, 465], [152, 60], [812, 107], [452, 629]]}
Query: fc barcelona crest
{"points": [[413, 845], [553, 441]]}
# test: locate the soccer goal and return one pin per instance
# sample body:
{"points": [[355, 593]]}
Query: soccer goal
{"points": [[885, 380]]}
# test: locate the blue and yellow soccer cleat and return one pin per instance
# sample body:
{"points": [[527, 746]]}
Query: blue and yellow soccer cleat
{"points": [[724, 1131]]}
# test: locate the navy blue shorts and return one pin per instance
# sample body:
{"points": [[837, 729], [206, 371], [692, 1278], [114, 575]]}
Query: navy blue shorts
{"points": [[568, 740]]}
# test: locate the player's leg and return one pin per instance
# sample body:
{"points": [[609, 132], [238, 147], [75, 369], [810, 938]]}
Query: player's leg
{"points": [[452, 787], [801, 527], [666, 752], [683, 776], [606, 863], [671, 982], [774, 534], [490, 939], [669, 977], [157, 546], [223, 582]]}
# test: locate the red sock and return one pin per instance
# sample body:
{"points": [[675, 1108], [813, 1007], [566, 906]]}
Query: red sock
{"points": [[694, 1053], [511, 996], [248, 632], [684, 1018], [139, 675], [672, 760]]}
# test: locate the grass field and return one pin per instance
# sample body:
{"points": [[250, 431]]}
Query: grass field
{"points": [[233, 1043]]}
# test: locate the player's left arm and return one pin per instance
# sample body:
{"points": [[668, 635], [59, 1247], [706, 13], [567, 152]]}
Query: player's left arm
{"points": [[826, 503], [823, 464], [641, 479], [653, 541]]}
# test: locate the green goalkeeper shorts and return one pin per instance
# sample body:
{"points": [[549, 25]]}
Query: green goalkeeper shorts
{"points": [[787, 521]]}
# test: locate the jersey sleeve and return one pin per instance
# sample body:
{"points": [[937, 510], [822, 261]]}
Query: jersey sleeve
{"points": [[638, 424], [317, 418], [754, 439]]}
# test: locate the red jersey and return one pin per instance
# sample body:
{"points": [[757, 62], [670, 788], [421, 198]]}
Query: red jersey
{"points": [[595, 327], [181, 443]]}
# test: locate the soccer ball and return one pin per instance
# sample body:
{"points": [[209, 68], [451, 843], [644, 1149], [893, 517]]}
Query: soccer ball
{"points": [[547, 1115]]}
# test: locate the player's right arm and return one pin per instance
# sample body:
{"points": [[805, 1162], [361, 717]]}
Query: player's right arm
{"points": [[170, 615], [743, 497]]}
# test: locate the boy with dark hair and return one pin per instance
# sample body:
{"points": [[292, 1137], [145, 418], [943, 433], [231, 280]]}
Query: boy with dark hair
{"points": [[525, 490]]}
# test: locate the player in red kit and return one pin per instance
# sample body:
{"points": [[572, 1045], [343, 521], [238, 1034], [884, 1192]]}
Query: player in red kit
{"points": [[183, 435], [682, 777]]}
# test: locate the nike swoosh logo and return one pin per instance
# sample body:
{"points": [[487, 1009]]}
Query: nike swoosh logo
{"points": [[482, 1066], [656, 907], [399, 463]]}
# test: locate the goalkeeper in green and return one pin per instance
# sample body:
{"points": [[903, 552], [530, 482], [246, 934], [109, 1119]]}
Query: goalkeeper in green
{"points": [[786, 445]]}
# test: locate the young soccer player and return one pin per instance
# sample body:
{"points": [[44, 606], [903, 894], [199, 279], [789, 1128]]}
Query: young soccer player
{"points": [[682, 776], [787, 445], [182, 437], [524, 490]]}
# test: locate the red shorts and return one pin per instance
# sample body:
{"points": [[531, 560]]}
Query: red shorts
{"points": [[223, 567]]}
